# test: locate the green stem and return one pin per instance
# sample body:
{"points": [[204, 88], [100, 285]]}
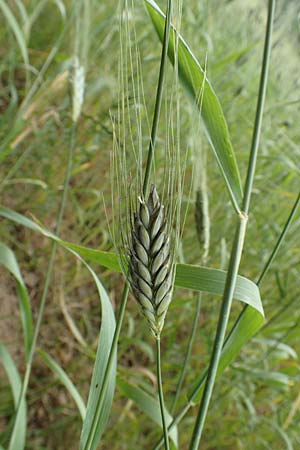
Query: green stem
{"points": [[158, 99], [160, 394], [46, 285], [260, 107], [238, 242], [270, 260], [188, 351], [221, 330], [110, 360], [113, 348], [280, 240]]}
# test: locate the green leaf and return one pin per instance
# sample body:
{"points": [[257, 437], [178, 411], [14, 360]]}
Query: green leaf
{"points": [[213, 281], [247, 325], [148, 404], [194, 79], [12, 22], [8, 260], [108, 325], [191, 277], [18, 443], [105, 338], [65, 380], [269, 378], [188, 276]]}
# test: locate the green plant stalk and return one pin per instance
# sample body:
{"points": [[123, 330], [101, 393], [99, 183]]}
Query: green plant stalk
{"points": [[280, 240], [161, 394], [146, 183], [162, 70], [270, 260], [234, 263], [238, 241], [188, 352], [47, 282], [150, 156], [111, 355]]}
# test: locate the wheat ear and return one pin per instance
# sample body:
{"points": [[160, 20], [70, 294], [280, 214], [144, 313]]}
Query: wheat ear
{"points": [[150, 267]]}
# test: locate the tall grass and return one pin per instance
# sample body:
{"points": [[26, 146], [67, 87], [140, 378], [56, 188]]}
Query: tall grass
{"points": [[256, 404]]}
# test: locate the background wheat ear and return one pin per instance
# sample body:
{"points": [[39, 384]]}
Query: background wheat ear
{"points": [[150, 266]]}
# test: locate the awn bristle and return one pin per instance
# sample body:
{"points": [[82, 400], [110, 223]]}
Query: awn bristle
{"points": [[150, 267]]}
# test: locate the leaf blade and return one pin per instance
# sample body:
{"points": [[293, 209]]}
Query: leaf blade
{"points": [[17, 441], [65, 381], [194, 78], [148, 404], [9, 261], [188, 276], [19, 35], [107, 329]]}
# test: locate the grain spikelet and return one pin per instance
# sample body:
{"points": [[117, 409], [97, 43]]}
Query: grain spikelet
{"points": [[78, 86], [150, 261]]}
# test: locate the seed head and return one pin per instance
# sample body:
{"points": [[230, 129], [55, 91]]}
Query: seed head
{"points": [[150, 261], [78, 85]]}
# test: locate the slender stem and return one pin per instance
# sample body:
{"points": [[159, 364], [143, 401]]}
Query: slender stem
{"points": [[270, 260], [280, 240], [260, 107], [161, 394], [110, 360], [188, 351], [237, 244], [158, 99], [174, 423], [47, 280], [113, 348], [221, 330]]}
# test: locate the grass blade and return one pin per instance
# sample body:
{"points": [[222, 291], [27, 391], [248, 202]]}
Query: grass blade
{"points": [[105, 340], [194, 79], [246, 326], [197, 278], [19, 35], [96, 420], [148, 404], [65, 380], [16, 385], [9, 261], [213, 281], [193, 277]]}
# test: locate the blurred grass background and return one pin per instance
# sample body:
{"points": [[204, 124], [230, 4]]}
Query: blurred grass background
{"points": [[256, 403]]}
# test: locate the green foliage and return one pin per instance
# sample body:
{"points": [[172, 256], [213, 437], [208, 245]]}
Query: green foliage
{"points": [[194, 78], [8, 260], [18, 441], [66, 381], [148, 404], [255, 404]]}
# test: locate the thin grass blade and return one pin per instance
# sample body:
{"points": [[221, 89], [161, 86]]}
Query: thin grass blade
{"points": [[9, 261], [90, 436], [148, 404], [18, 442], [194, 79], [65, 380], [193, 277], [246, 326], [105, 340], [13, 24], [197, 278]]}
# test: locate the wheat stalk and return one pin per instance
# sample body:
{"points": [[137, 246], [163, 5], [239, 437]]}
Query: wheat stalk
{"points": [[150, 261]]}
